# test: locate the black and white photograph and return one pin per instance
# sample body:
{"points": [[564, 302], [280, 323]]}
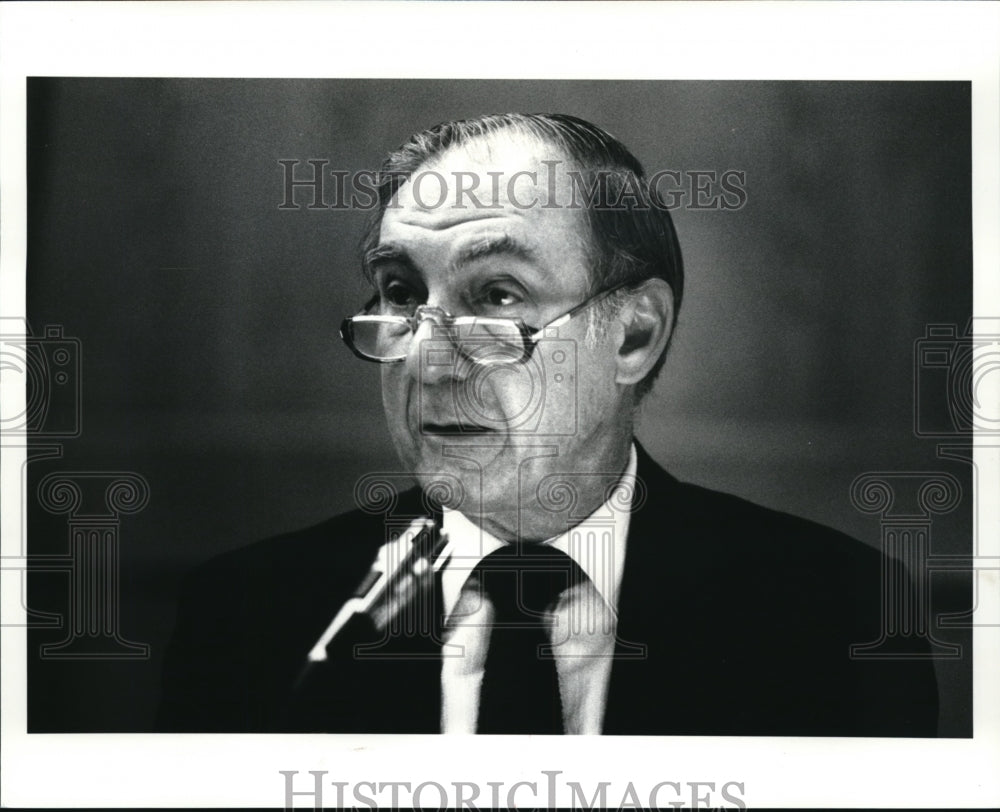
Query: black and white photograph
{"points": [[513, 413]]}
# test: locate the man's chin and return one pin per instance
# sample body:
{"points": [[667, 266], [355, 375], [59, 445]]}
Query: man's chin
{"points": [[463, 453], [465, 481], [478, 479]]}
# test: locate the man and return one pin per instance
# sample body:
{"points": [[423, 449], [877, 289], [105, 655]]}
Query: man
{"points": [[527, 279]]}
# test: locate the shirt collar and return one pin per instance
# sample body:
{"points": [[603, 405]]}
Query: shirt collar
{"points": [[597, 544]]}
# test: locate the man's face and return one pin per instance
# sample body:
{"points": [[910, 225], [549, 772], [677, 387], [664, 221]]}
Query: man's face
{"points": [[502, 430]]}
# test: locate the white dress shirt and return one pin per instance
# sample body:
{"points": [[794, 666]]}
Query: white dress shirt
{"points": [[583, 624]]}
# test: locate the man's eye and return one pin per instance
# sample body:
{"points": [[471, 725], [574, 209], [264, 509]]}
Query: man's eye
{"points": [[397, 295], [500, 297]]}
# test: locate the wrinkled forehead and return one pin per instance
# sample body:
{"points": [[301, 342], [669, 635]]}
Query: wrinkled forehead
{"points": [[508, 169]]}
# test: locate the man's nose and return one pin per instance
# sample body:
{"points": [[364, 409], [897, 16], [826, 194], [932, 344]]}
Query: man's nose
{"points": [[434, 356]]}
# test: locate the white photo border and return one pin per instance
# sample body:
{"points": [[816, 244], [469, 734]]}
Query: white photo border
{"points": [[851, 41]]}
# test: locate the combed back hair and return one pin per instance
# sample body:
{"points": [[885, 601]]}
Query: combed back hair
{"points": [[632, 236]]}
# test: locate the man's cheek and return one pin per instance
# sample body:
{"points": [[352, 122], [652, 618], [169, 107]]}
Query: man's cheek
{"points": [[394, 398]]}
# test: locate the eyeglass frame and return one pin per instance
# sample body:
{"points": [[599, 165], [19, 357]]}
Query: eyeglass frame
{"points": [[530, 336]]}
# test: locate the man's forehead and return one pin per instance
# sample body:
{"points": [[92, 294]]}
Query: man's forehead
{"points": [[488, 199], [508, 149], [507, 169]]}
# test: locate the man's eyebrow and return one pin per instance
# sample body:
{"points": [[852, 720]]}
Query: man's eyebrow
{"points": [[382, 254], [500, 245]]}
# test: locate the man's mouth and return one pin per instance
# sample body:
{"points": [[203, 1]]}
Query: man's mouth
{"points": [[454, 429]]}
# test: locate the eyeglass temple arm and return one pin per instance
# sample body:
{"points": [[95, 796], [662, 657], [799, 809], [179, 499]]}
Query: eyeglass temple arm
{"points": [[559, 321]]}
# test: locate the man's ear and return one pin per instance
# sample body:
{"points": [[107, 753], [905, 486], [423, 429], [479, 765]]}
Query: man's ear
{"points": [[646, 322]]}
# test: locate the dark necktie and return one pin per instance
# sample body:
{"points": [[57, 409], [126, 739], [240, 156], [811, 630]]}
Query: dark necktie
{"points": [[520, 690]]}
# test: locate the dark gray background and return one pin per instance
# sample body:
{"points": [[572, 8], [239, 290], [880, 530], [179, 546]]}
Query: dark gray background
{"points": [[208, 317]]}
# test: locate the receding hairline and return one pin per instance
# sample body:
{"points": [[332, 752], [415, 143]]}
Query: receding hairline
{"points": [[550, 149]]}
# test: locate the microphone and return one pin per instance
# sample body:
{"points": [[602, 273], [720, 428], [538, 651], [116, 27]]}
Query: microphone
{"points": [[400, 579], [403, 570]]}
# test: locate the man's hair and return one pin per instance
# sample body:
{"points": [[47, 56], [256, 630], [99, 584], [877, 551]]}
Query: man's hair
{"points": [[632, 236]]}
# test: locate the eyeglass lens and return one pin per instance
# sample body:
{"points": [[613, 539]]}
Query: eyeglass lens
{"points": [[481, 340]]}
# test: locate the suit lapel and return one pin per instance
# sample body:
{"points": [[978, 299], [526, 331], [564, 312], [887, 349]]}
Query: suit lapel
{"points": [[642, 661]]}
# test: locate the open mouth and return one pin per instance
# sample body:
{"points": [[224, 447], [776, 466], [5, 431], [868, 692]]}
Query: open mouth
{"points": [[453, 429]]}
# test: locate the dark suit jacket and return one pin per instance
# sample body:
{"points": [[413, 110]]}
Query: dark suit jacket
{"points": [[746, 616]]}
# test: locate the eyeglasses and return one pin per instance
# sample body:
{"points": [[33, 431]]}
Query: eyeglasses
{"points": [[483, 340]]}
